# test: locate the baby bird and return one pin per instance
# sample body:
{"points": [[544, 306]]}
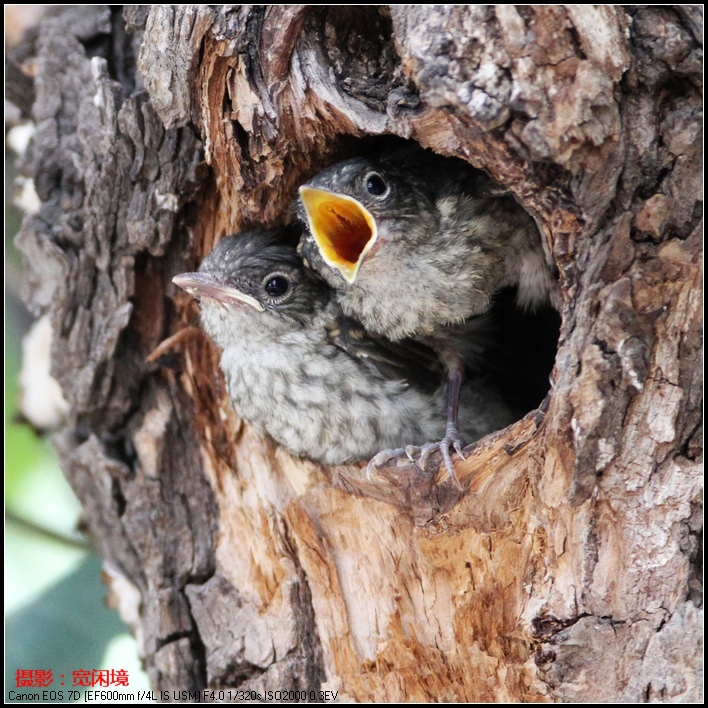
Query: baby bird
{"points": [[299, 369], [416, 244]]}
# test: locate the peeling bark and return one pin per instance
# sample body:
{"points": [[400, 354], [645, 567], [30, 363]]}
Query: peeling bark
{"points": [[568, 567]]}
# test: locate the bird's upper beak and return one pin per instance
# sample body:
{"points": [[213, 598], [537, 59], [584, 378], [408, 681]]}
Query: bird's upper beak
{"points": [[343, 228], [201, 285]]}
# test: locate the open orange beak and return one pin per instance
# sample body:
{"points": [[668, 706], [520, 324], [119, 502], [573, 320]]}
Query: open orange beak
{"points": [[343, 228]]}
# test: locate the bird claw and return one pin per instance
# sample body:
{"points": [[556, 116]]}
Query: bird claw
{"points": [[452, 440], [382, 458]]}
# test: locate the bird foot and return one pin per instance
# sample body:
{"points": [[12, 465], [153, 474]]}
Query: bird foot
{"points": [[452, 440], [384, 456]]}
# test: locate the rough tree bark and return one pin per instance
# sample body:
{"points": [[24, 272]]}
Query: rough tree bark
{"points": [[568, 568]]}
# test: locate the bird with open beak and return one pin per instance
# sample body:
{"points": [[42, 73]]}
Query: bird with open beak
{"points": [[300, 370], [416, 244]]}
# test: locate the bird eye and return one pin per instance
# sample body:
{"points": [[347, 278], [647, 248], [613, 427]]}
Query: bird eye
{"points": [[277, 286], [376, 185]]}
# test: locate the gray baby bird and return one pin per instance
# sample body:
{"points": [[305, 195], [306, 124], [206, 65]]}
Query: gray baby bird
{"points": [[299, 369], [416, 244]]}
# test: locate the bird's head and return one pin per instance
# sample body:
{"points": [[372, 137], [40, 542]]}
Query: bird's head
{"points": [[253, 279], [354, 208]]}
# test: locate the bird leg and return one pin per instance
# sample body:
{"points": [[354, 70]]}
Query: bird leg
{"points": [[452, 435], [452, 438]]}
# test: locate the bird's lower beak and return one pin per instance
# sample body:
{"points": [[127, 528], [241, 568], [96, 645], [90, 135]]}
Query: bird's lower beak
{"points": [[200, 285], [343, 228]]}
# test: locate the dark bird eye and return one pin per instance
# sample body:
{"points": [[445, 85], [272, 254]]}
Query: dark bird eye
{"points": [[277, 286], [375, 185]]}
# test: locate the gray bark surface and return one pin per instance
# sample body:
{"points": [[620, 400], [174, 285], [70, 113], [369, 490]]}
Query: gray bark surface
{"points": [[568, 568]]}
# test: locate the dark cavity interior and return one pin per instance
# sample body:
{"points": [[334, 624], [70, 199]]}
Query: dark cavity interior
{"points": [[523, 350]]}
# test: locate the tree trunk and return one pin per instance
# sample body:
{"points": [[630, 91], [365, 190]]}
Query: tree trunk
{"points": [[568, 568]]}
